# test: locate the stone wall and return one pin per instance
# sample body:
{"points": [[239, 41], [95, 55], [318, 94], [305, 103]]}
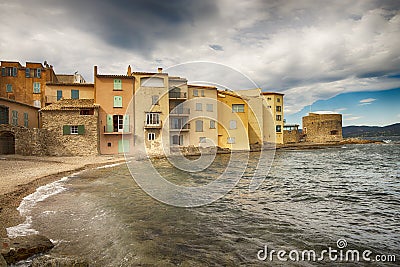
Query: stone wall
{"points": [[291, 136], [27, 141], [322, 128], [60, 144]]}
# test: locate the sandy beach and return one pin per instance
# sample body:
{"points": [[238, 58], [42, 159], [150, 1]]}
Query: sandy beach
{"points": [[22, 175]]}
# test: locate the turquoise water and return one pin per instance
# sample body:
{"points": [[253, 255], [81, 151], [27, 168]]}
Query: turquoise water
{"points": [[309, 200]]}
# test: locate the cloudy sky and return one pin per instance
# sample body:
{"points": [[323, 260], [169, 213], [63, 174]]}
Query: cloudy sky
{"points": [[310, 50]]}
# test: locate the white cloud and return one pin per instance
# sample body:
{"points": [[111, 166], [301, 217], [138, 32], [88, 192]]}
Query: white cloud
{"points": [[354, 118], [367, 100]]}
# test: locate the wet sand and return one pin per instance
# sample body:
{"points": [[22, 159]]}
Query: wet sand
{"points": [[22, 175]]}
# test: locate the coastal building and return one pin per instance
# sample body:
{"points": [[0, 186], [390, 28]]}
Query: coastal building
{"points": [[25, 84], [19, 123], [232, 121], [71, 127], [322, 127], [67, 86], [151, 111], [291, 133], [113, 94], [275, 105], [204, 116]]}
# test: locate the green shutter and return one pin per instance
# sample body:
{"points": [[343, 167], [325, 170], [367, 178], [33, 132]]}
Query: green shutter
{"points": [[81, 129], [110, 126], [126, 124], [117, 101], [14, 72], [66, 129], [74, 94], [36, 88], [123, 146], [117, 84]]}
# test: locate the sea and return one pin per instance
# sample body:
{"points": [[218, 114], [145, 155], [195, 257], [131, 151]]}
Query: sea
{"points": [[330, 201]]}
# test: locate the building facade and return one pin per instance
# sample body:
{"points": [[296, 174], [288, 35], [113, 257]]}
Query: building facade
{"points": [[275, 105], [113, 94], [322, 127], [72, 127], [291, 133], [25, 84]]}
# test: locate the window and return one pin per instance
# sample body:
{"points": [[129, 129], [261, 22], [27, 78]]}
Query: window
{"points": [[86, 112], [152, 118], [118, 123], [195, 92], [231, 140], [278, 100], [14, 117], [151, 136], [334, 132], [268, 98], [199, 126], [3, 115], [109, 144], [74, 94], [37, 73], [210, 107], [26, 119], [59, 94], [199, 107], [117, 101], [177, 140], [202, 93], [154, 100], [278, 117], [232, 124], [9, 71], [27, 72], [9, 88], [37, 103], [36, 88], [269, 106], [278, 128], [278, 108], [202, 140], [74, 129], [212, 124], [179, 123], [237, 107], [117, 84]]}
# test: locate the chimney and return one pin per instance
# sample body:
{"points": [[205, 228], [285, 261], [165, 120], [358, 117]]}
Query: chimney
{"points": [[159, 70], [95, 71], [129, 72]]}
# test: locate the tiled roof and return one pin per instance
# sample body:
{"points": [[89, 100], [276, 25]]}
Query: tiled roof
{"points": [[271, 93], [202, 86], [71, 84], [71, 104], [17, 102], [114, 76]]}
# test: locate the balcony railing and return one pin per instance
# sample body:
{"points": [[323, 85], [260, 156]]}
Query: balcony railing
{"points": [[153, 125], [182, 95], [185, 127], [180, 111]]}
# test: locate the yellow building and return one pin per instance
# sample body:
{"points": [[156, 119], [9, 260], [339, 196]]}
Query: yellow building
{"points": [[275, 104], [232, 121], [203, 116], [57, 91]]}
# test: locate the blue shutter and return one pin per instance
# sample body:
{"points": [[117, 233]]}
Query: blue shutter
{"points": [[39, 73], [74, 94], [14, 70], [59, 94], [27, 72], [26, 119], [9, 88], [3, 71], [36, 88]]}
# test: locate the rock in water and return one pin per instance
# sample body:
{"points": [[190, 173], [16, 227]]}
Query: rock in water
{"points": [[23, 247], [50, 261], [3, 262]]}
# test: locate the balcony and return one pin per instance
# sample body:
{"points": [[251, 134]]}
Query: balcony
{"points": [[180, 111], [153, 125], [177, 95], [184, 128]]}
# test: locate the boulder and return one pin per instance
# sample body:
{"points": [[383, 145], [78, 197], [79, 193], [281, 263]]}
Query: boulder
{"points": [[3, 262], [23, 247], [52, 261]]}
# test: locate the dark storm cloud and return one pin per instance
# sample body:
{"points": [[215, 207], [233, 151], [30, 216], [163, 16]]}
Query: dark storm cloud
{"points": [[216, 47], [136, 25]]}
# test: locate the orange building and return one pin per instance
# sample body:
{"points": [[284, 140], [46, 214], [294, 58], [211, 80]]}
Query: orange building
{"points": [[113, 93], [25, 84]]}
